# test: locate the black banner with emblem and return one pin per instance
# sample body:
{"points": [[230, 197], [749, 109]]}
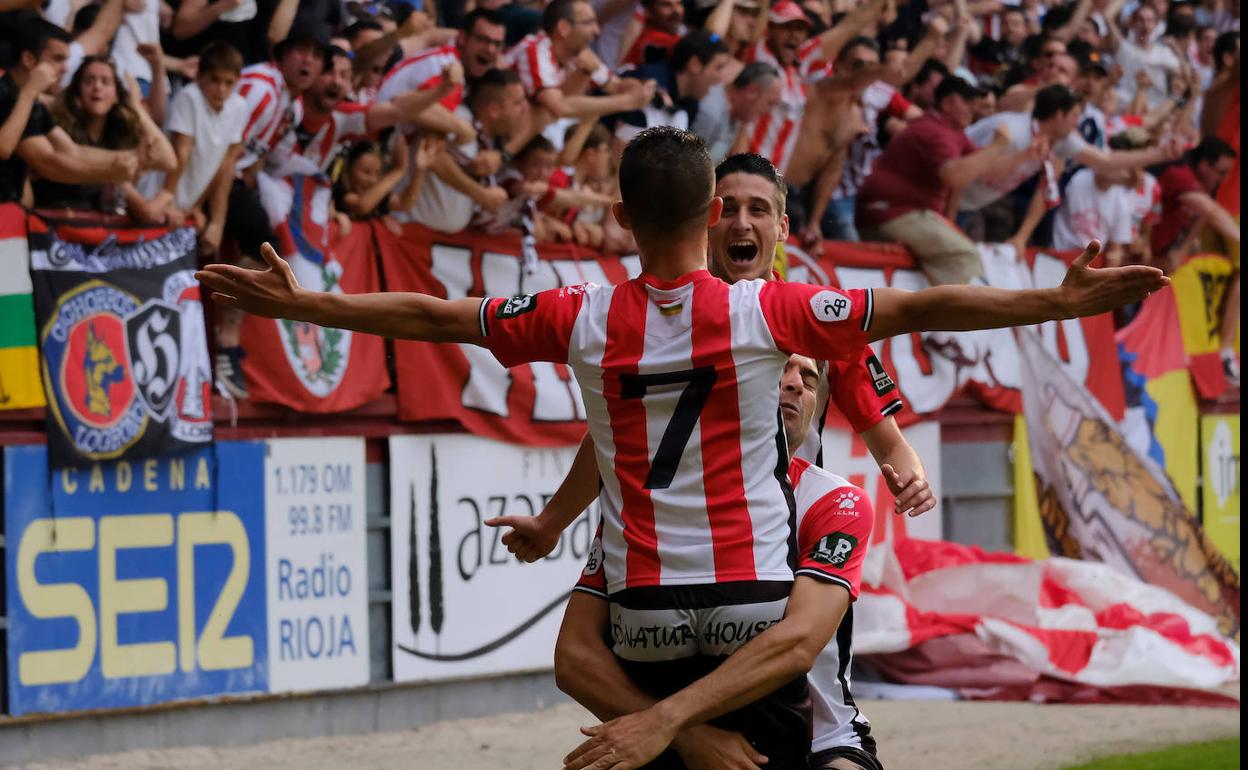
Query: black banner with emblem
{"points": [[122, 342]]}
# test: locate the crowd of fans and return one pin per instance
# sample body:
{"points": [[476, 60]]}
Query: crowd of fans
{"points": [[931, 123]]}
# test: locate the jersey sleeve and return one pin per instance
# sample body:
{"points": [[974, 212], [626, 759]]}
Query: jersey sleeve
{"points": [[261, 102], [833, 538], [817, 321], [863, 390], [593, 579], [531, 327]]}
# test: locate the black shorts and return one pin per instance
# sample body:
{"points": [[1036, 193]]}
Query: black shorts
{"points": [[246, 220], [822, 760], [666, 638]]}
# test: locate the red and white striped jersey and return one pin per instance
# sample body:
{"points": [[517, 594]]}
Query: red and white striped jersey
{"points": [[318, 140], [861, 390], [533, 59], [270, 110], [774, 134], [420, 72], [834, 532], [679, 381]]}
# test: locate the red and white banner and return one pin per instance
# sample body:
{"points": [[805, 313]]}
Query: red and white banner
{"points": [[540, 405], [996, 625], [306, 367], [535, 404], [990, 369]]}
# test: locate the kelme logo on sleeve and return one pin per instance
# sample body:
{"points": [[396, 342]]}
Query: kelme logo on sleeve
{"points": [[517, 305], [835, 549]]}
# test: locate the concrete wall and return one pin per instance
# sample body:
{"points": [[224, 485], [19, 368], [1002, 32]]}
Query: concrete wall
{"points": [[269, 718]]}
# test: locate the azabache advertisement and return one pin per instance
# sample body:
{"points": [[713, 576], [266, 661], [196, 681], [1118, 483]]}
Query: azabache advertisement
{"points": [[462, 604]]}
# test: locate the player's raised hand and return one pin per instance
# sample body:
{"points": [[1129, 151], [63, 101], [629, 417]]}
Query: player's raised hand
{"points": [[1089, 291], [529, 538], [273, 293], [625, 743], [912, 492]]}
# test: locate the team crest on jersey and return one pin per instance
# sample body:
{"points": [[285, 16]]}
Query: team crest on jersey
{"points": [[831, 306], [517, 305], [879, 376], [834, 549], [95, 397]]}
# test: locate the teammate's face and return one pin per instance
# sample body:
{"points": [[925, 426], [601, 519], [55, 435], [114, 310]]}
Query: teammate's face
{"points": [[743, 243], [799, 385]]}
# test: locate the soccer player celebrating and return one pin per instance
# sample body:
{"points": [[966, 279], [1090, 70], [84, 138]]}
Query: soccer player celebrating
{"points": [[679, 355], [834, 520]]}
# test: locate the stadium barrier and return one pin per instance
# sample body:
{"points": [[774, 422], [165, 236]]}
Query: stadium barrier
{"points": [[257, 565]]}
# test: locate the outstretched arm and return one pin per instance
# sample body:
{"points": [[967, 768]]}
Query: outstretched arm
{"points": [[274, 293], [1084, 292]]}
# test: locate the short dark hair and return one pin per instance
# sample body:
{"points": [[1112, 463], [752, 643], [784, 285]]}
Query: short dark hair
{"points": [[1179, 25], [757, 165], [353, 32], [954, 86], [860, 41], [538, 143], [35, 35], [488, 15], [666, 182], [1056, 17], [220, 56], [84, 19], [1226, 45], [929, 68], [755, 72], [557, 11], [1210, 150], [489, 87], [1053, 99], [698, 44], [599, 136]]}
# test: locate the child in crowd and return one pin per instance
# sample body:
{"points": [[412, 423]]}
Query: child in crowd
{"points": [[206, 125], [364, 189]]}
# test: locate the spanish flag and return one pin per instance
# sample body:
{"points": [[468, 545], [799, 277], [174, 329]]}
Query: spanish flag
{"points": [[20, 386]]}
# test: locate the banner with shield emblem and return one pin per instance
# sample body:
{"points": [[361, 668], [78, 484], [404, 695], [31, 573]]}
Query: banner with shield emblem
{"points": [[121, 331]]}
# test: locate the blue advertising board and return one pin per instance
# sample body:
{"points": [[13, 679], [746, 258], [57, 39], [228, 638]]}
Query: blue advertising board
{"points": [[130, 583]]}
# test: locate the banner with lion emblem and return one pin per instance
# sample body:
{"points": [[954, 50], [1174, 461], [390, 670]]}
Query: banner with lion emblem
{"points": [[1101, 500], [121, 332]]}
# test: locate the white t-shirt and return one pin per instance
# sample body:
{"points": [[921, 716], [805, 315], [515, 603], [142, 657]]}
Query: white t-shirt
{"points": [[438, 205], [611, 32], [982, 192], [1089, 213], [136, 29], [213, 133], [1157, 61]]}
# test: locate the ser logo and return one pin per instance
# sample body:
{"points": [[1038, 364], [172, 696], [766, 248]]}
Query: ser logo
{"points": [[834, 549], [517, 305], [830, 306]]}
